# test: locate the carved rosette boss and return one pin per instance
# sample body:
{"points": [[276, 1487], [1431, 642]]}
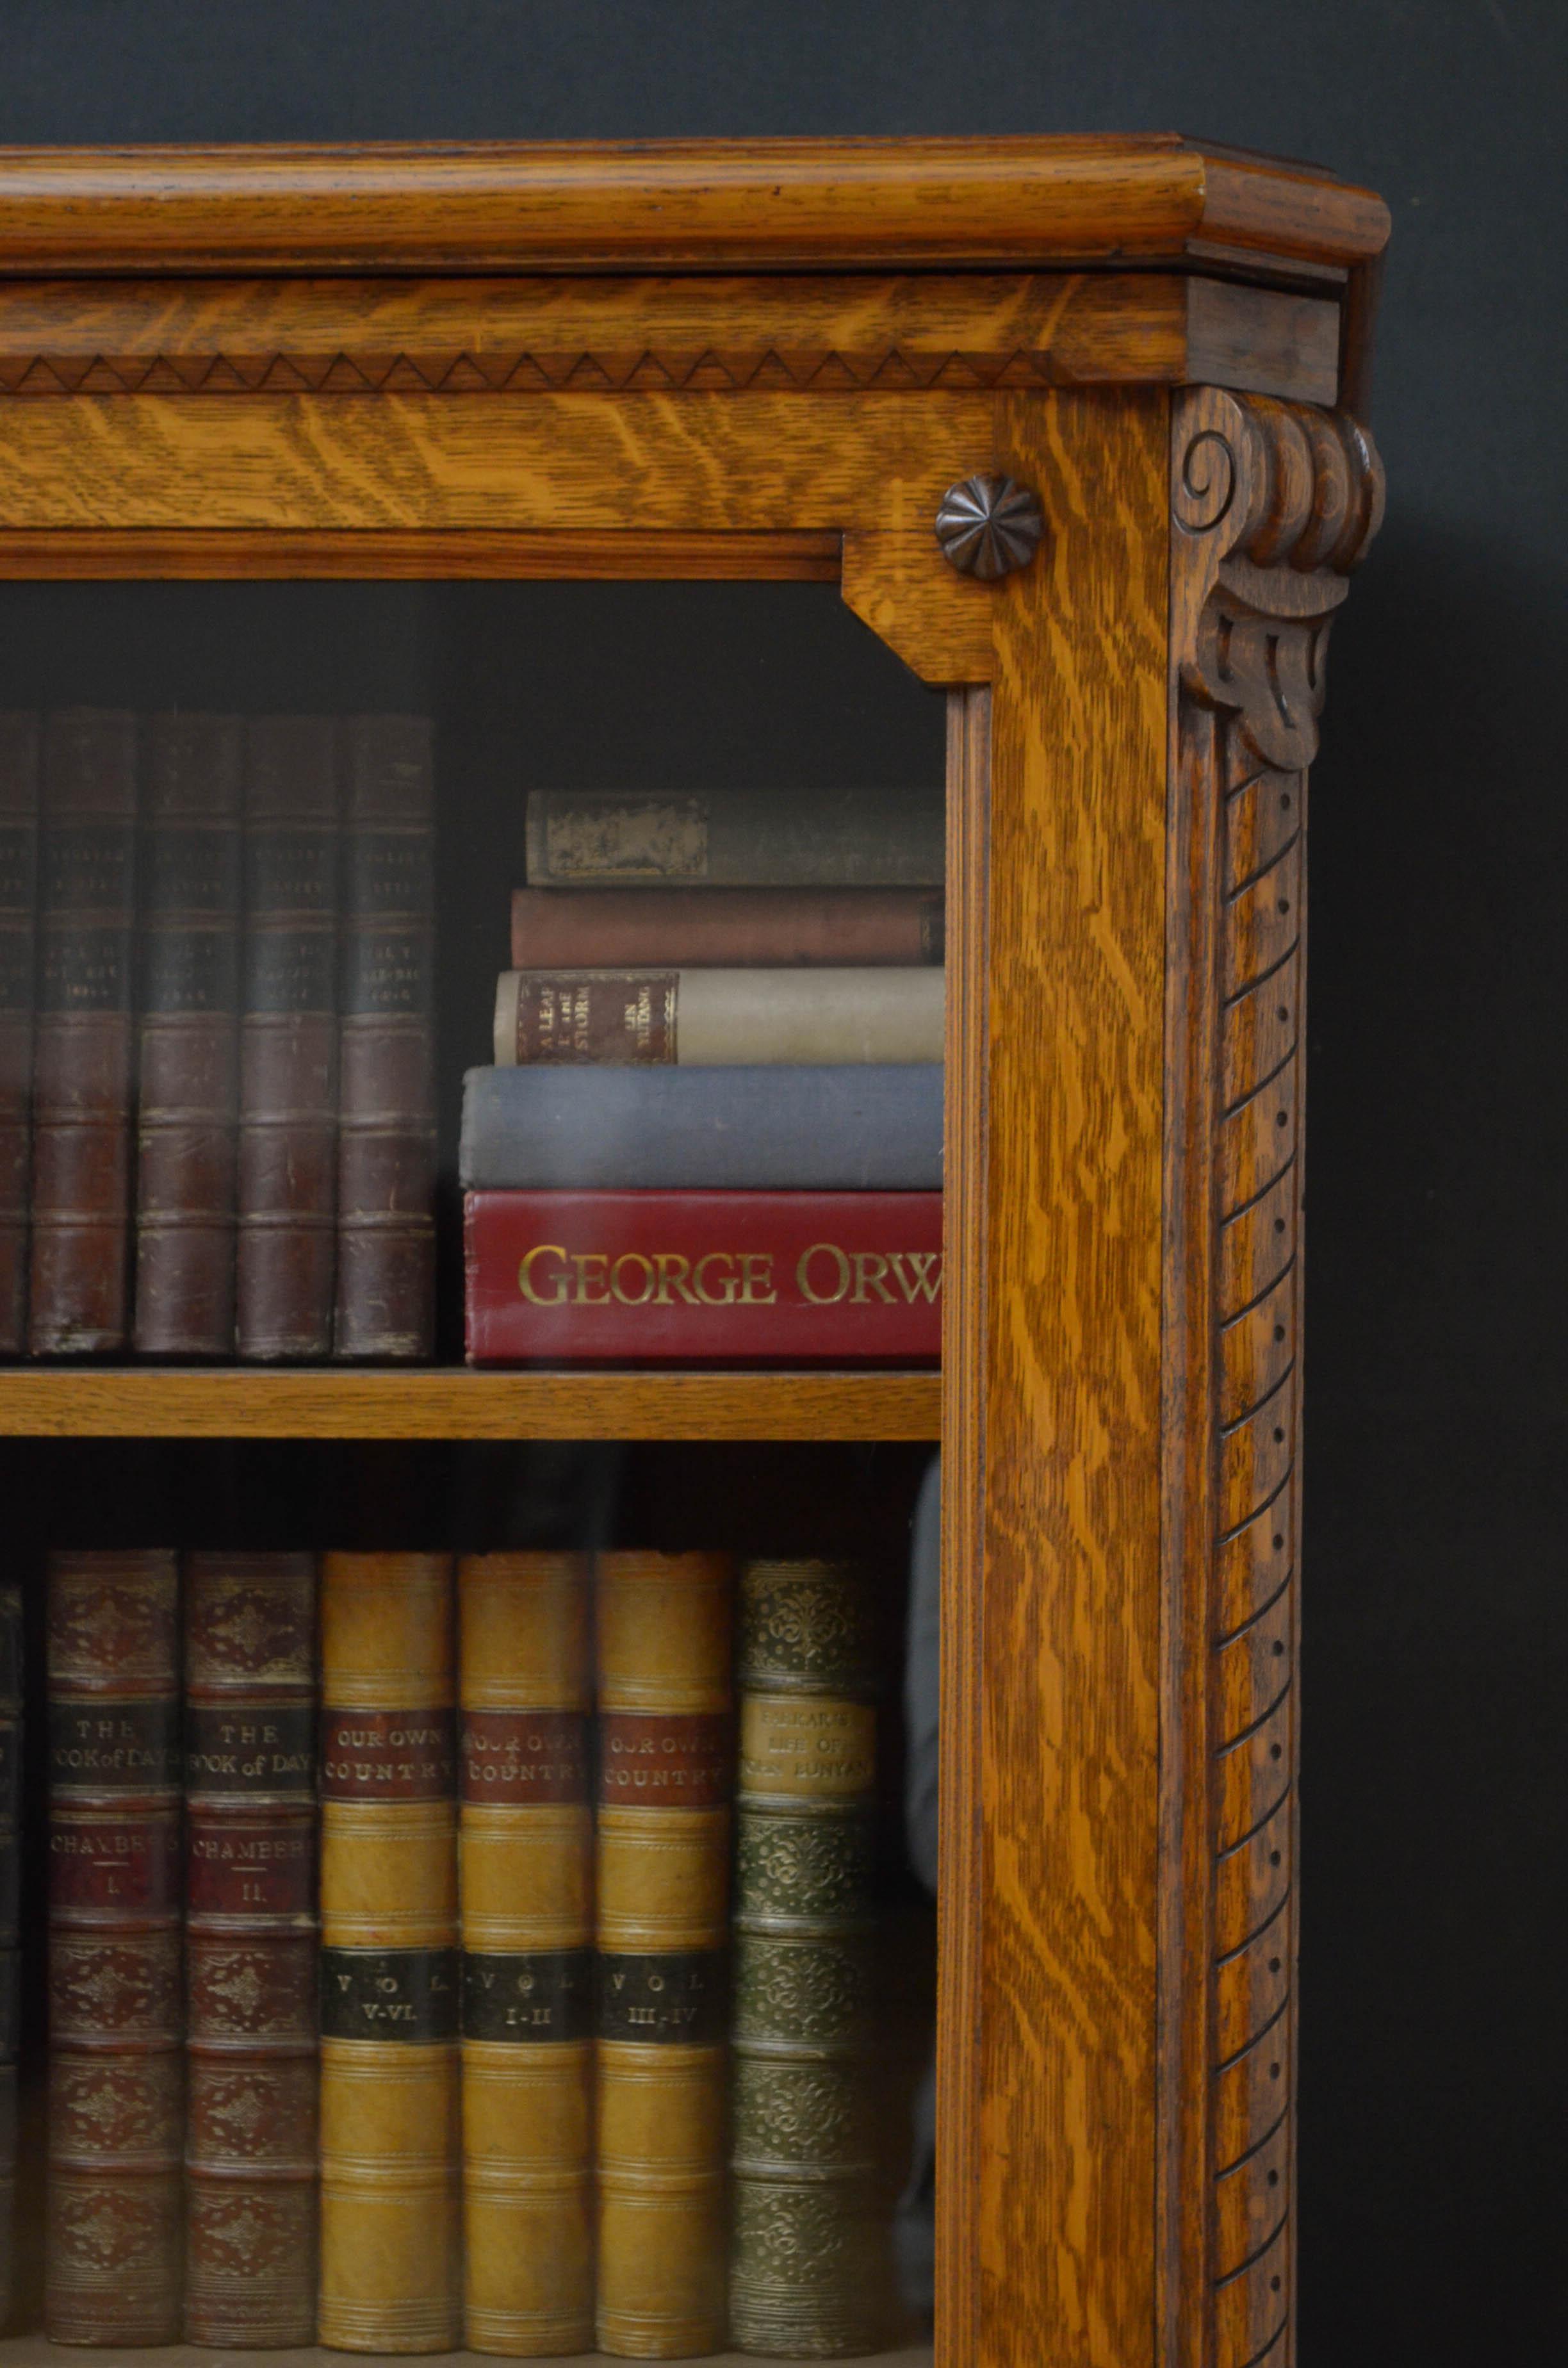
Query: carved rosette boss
{"points": [[1273, 504]]}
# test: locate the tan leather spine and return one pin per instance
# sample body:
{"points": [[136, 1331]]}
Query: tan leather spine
{"points": [[663, 1877], [388, 2092], [526, 1854]]}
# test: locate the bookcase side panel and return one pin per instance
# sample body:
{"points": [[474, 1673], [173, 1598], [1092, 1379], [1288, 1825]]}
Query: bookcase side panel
{"points": [[1057, 2174], [1272, 505]]}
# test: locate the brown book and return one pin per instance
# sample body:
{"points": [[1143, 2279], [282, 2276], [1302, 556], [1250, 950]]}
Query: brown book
{"points": [[288, 1184], [690, 929], [526, 1864], [188, 1069], [390, 2231], [18, 901], [10, 1955], [250, 2233], [718, 1018], [82, 1056], [666, 1773], [112, 2265], [386, 1171]]}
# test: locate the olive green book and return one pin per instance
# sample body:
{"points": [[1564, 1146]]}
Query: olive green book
{"points": [[805, 2278]]}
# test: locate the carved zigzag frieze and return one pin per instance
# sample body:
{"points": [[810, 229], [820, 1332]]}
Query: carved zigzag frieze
{"points": [[885, 369]]}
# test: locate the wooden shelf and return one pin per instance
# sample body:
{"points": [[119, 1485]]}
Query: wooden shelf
{"points": [[36, 2351], [251, 1402]]}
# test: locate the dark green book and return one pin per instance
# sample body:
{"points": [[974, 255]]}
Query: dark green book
{"points": [[737, 838], [806, 2275]]}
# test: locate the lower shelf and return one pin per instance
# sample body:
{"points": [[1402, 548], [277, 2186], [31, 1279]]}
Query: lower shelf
{"points": [[454, 1402], [35, 2352]]}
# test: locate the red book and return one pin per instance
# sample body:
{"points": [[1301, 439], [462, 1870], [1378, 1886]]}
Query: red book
{"points": [[639, 1278]]}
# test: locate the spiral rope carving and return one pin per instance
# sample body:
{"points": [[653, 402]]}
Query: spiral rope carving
{"points": [[1272, 505]]}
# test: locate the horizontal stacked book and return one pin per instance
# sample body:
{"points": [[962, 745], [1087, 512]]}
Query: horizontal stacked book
{"points": [[713, 1126], [504, 2093], [217, 1130]]}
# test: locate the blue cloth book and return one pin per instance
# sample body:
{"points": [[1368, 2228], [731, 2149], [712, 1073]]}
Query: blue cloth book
{"points": [[848, 1128]]}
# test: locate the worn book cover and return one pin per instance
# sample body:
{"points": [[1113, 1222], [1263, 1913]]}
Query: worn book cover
{"points": [[636, 1277], [737, 839], [666, 1759], [731, 926], [709, 1019]]}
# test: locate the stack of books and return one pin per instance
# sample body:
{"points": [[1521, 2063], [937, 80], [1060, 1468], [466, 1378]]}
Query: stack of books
{"points": [[713, 1128], [456, 2055], [217, 1132]]}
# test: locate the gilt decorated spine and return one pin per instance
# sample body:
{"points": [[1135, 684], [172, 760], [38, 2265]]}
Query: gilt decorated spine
{"points": [[287, 1173], [389, 1962], [18, 901], [190, 1047], [804, 2274], [10, 1958], [526, 1862], [82, 1054], [116, 2024], [386, 1178], [250, 1948], [665, 1775]]}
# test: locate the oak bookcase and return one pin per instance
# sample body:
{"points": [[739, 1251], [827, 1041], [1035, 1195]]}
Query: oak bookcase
{"points": [[773, 360]]}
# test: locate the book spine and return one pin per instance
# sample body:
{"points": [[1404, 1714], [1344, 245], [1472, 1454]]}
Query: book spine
{"points": [[789, 1277], [250, 1945], [386, 1177], [812, 839], [190, 1037], [805, 2278], [665, 1775], [526, 1868], [594, 927], [18, 902], [10, 1960], [389, 1977], [82, 1058], [711, 1018], [116, 2024], [287, 1164], [851, 1127]]}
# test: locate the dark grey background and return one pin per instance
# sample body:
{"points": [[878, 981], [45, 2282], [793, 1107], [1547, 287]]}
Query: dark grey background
{"points": [[1433, 2057]]}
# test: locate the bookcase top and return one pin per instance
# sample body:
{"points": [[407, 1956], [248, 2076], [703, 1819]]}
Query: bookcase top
{"points": [[672, 206]]}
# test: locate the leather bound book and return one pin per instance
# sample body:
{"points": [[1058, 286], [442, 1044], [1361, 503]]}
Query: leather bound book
{"points": [[10, 1965], [657, 1016], [526, 1862], [666, 1773], [82, 1051], [687, 927], [390, 1982], [18, 899], [806, 2277], [116, 2024], [386, 1174], [286, 1246], [250, 1717], [189, 1071]]}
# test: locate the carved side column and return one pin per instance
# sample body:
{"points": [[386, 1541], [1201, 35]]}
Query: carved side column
{"points": [[1272, 505]]}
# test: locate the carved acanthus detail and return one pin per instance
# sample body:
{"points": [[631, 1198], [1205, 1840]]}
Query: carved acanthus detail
{"points": [[1272, 506]]}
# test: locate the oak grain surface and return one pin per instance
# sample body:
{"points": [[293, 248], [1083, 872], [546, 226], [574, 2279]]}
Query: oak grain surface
{"points": [[650, 205], [245, 553], [1064, 2190], [240, 1402]]}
